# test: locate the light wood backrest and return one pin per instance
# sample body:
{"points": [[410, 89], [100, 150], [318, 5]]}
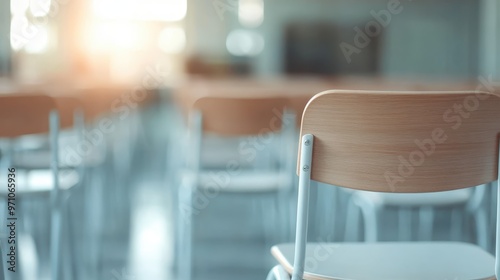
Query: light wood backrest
{"points": [[403, 141], [102, 100], [22, 114], [67, 102], [240, 116], [67, 106]]}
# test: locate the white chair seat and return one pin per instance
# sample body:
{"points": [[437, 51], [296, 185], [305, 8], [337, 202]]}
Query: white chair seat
{"points": [[244, 182], [391, 261], [40, 181], [41, 159], [216, 152], [437, 199]]}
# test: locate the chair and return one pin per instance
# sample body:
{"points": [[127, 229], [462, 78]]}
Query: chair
{"points": [[24, 115], [365, 140], [232, 117], [371, 205]]}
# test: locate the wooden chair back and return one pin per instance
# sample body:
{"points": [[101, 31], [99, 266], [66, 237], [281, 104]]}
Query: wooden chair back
{"points": [[67, 106], [403, 141], [22, 114], [238, 116]]}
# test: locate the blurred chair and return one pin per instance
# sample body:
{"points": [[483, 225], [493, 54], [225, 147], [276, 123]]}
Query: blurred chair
{"points": [[492, 215], [353, 139], [21, 116], [227, 118], [3, 271], [108, 122], [371, 205]]}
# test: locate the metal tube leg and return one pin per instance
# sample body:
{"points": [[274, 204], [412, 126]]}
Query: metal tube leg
{"points": [[278, 273], [56, 198], [497, 235], [456, 224], [69, 248], [336, 210], [7, 275], [269, 218], [371, 213], [55, 243], [482, 228], [2, 268], [283, 213], [93, 228], [352, 222], [404, 224], [493, 212], [426, 223], [185, 231], [303, 207]]}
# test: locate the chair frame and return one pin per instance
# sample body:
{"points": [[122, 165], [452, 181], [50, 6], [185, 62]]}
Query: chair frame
{"points": [[56, 199], [304, 169], [307, 143], [185, 194], [303, 210]]}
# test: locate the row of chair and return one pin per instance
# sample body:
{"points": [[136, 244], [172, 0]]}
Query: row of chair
{"points": [[61, 141], [259, 116], [351, 138]]}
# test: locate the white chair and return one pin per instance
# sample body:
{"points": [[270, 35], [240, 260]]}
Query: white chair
{"points": [[372, 204], [355, 139], [29, 114], [241, 173]]}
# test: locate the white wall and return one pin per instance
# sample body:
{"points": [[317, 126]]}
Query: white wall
{"points": [[428, 38], [206, 29], [435, 39], [278, 13]]}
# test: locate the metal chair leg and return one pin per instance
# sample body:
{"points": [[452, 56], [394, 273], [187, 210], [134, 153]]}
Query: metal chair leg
{"points": [[278, 273], [55, 243], [185, 224], [352, 222], [371, 213], [456, 224], [2, 269], [482, 228], [404, 216], [426, 223], [69, 249]]}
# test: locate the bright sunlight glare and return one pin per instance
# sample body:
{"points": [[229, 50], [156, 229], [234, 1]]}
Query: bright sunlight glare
{"points": [[147, 10], [111, 36], [40, 8], [251, 12], [172, 40]]}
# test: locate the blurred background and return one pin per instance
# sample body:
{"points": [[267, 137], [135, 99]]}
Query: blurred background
{"points": [[126, 221], [114, 40]]}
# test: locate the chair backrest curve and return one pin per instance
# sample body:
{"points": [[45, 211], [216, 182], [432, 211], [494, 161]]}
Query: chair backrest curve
{"points": [[238, 116], [22, 114], [403, 141]]}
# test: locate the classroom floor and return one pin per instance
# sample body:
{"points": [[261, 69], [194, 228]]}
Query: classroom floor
{"points": [[230, 226], [231, 240], [148, 251]]}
